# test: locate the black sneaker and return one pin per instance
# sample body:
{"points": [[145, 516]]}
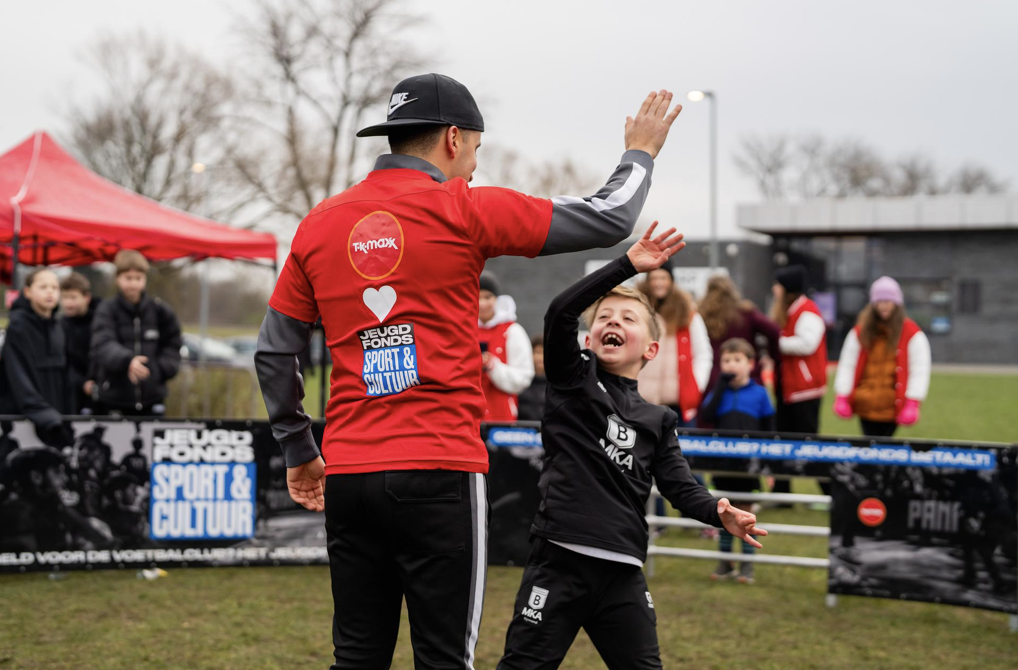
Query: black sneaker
{"points": [[745, 573], [725, 570]]}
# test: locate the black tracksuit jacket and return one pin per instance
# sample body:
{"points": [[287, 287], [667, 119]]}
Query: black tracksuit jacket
{"points": [[33, 369], [121, 331], [603, 442], [78, 335]]}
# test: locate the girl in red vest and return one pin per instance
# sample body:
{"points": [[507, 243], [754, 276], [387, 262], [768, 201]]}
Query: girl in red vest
{"points": [[508, 360], [884, 371], [803, 344], [678, 376]]}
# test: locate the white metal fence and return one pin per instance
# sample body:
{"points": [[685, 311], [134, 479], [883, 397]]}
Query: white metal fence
{"points": [[774, 528]]}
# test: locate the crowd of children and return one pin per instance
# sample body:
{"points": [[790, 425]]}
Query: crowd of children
{"points": [[68, 352]]}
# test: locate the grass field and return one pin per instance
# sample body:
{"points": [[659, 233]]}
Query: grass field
{"points": [[261, 618]]}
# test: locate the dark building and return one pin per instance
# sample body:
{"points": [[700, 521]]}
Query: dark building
{"points": [[954, 257]]}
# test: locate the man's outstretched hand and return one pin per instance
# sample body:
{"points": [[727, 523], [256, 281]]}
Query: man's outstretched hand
{"points": [[307, 484], [740, 523], [648, 130], [651, 253]]}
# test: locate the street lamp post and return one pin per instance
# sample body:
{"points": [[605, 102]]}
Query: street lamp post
{"points": [[698, 96]]}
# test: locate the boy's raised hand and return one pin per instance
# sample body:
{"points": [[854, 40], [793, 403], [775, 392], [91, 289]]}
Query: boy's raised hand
{"points": [[740, 523], [651, 253]]}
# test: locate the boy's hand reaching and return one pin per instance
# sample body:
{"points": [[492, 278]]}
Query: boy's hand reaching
{"points": [[651, 253], [740, 523]]}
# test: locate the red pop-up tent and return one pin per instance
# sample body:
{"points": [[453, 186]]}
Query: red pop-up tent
{"points": [[55, 211]]}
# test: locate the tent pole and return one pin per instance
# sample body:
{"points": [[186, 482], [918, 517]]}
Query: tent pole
{"points": [[15, 243], [203, 329]]}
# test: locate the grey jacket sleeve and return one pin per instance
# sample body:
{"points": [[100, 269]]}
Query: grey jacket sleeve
{"points": [[605, 218], [280, 339]]}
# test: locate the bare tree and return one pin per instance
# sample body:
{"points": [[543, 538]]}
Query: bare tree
{"points": [[975, 179], [318, 68], [915, 175], [813, 167], [766, 160], [160, 112], [507, 168], [856, 169]]}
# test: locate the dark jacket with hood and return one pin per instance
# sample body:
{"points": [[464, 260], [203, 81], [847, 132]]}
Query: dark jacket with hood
{"points": [[121, 331], [33, 370], [78, 335]]}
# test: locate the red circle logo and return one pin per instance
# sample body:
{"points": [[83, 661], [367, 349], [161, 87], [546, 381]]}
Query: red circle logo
{"points": [[376, 245], [872, 512]]}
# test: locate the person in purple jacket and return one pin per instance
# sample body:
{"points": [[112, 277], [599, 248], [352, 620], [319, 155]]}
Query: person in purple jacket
{"points": [[728, 316]]}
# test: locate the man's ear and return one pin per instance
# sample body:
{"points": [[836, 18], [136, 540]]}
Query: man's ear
{"points": [[453, 141], [586, 341], [651, 352]]}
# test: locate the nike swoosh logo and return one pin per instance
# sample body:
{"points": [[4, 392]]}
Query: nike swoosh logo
{"points": [[393, 108]]}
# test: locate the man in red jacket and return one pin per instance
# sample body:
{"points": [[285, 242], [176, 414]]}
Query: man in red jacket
{"points": [[391, 265]]}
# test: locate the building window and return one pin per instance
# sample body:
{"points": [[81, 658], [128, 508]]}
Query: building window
{"points": [[970, 296], [929, 302]]}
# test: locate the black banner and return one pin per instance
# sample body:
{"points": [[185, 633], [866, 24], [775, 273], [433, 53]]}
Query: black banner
{"points": [[138, 494], [515, 456], [928, 531]]}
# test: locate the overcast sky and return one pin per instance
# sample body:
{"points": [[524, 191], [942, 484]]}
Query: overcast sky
{"points": [[558, 78]]}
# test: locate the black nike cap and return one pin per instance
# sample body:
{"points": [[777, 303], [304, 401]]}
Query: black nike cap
{"points": [[429, 100]]}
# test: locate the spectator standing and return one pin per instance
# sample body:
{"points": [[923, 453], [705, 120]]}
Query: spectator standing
{"points": [[678, 376], [532, 400], [33, 364], [737, 403], [78, 306], [506, 355], [884, 371], [135, 344], [728, 316]]}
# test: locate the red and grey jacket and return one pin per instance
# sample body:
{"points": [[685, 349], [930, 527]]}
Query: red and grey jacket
{"points": [[391, 265], [803, 345], [911, 367]]}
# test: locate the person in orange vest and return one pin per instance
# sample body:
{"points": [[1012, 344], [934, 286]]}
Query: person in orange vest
{"points": [[884, 371], [508, 359], [678, 376], [803, 345]]}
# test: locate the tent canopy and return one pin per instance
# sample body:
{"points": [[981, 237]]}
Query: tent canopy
{"points": [[65, 214]]}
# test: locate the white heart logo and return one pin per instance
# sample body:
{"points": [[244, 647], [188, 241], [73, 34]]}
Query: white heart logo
{"points": [[380, 302]]}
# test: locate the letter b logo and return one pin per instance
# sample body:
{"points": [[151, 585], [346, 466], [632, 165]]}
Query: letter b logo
{"points": [[621, 435]]}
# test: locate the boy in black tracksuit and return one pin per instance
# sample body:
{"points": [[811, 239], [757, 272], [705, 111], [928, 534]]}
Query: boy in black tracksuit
{"points": [[603, 444], [135, 344]]}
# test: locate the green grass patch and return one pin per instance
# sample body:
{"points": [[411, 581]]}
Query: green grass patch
{"points": [[261, 618], [959, 407]]}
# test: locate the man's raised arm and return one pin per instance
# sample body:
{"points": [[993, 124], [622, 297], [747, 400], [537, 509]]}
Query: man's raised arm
{"points": [[609, 216]]}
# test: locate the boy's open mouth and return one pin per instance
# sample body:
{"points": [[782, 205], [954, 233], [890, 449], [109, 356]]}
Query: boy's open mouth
{"points": [[612, 341]]}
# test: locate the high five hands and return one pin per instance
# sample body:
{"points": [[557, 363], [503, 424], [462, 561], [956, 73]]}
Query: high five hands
{"points": [[740, 523], [648, 130], [651, 253]]}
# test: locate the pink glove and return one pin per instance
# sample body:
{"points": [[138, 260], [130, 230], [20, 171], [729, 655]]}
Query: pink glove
{"points": [[909, 414], [842, 407]]}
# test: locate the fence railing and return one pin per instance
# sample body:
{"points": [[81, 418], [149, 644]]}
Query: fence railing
{"points": [[776, 528]]}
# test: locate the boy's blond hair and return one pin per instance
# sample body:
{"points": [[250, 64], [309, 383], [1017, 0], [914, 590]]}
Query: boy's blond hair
{"points": [[129, 259], [631, 293]]}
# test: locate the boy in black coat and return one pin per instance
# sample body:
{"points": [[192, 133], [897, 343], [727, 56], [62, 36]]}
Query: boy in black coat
{"points": [[603, 445], [33, 364], [78, 306], [135, 344]]}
